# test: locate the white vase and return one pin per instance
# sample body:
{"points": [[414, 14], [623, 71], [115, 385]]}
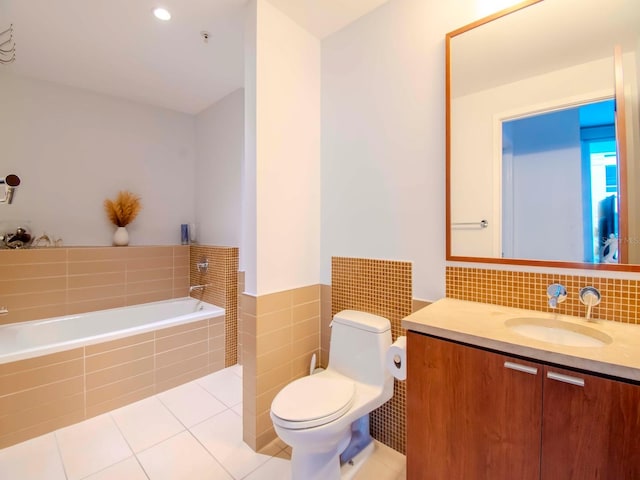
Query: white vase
{"points": [[121, 237]]}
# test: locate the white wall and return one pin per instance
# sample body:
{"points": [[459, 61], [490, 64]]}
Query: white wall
{"points": [[73, 149], [383, 138], [218, 184], [282, 153]]}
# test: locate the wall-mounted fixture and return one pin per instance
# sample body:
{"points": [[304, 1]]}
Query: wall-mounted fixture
{"points": [[7, 46], [10, 183], [203, 265]]}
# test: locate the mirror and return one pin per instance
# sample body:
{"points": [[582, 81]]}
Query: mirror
{"points": [[545, 72]]}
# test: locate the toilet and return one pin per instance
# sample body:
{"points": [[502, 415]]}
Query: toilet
{"points": [[314, 414]]}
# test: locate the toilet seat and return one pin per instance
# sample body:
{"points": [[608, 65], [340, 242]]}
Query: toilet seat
{"points": [[312, 401]]}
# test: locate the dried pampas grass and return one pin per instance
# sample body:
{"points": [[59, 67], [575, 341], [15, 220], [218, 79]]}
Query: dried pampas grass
{"points": [[124, 209]]}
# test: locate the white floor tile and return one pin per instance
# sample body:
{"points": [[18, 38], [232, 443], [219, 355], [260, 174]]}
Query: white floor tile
{"points": [[35, 459], [275, 468], [128, 469], [237, 369], [387, 455], [222, 436], [225, 385], [181, 457], [238, 409], [91, 446], [191, 403], [374, 468], [146, 423]]}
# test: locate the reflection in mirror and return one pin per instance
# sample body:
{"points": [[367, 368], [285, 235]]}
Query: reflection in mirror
{"points": [[548, 158], [527, 90]]}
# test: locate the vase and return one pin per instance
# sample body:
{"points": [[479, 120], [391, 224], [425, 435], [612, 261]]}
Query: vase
{"points": [[121, 237]]}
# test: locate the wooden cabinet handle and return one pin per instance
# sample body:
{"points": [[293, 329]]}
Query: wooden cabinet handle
{"points": [[521, 368], [566, 379]]}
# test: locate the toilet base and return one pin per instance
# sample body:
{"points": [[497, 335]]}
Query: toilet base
{"points": [[348, 470]]}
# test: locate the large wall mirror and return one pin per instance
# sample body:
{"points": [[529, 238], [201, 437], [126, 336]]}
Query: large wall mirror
{"points": [[543, 136]]}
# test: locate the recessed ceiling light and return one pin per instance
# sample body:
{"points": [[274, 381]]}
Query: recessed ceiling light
{"points": [[162, 13]]}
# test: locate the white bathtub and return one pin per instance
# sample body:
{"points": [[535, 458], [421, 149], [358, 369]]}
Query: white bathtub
{"points": [[19, 341]]}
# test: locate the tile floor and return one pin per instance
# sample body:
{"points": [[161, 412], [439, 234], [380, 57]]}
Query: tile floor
{"points": [[191, 432]]}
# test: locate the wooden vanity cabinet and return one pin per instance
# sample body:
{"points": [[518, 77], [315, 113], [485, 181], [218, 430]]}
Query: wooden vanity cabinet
{"points": [[591, 427], [468, 416], [474, 414]]}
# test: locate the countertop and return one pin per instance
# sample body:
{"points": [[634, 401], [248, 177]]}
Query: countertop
{"points": [[483, 325]]}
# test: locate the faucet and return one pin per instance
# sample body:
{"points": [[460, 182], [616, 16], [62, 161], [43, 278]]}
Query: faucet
{"points": [[198, 287], [4, 310], [591, 297], [557, 293]]}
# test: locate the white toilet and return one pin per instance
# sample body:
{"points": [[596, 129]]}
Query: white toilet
{"points": [[314, 414]]}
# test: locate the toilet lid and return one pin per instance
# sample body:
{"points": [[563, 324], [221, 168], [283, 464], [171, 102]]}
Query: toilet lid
{"points": [[312, 401]]}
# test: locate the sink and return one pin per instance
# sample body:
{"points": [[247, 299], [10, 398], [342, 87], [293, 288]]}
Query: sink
{"points": [[558, 332]]}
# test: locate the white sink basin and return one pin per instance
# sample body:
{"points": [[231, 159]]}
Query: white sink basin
{"points": [[558, 332]]}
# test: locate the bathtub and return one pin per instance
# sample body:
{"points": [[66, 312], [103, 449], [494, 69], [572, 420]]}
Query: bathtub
{"points": [[19, 341], [63, 370]]}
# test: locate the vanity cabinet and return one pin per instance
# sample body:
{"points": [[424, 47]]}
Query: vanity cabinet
{"points": [[477, 414]]}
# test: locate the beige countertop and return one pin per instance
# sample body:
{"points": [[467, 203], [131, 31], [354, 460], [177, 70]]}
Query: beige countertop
{"points": [[483, 325]]}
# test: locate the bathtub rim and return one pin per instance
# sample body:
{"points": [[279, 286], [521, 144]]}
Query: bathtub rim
{"points": [[210, 311]]}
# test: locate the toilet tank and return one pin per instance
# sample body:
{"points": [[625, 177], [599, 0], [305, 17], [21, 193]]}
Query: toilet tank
{"points": [[359, 342]]}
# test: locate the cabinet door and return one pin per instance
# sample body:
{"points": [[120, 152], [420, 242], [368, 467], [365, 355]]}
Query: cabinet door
{"points": [[591, 427], [471, 414]]}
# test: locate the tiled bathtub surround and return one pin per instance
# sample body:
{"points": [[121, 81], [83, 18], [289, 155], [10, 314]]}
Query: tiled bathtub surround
{"points": [[620, 297], [281, 332], [50, 282], [222, 276], [384, 288], [42, 394]]}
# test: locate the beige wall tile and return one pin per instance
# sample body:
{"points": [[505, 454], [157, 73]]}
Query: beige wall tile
{"points": [[90, 254], [118, 373], [35, 270], [43, 412], [93, 267], [273, 302], [94, 305], [39, 362], [305, 328], [279, 376], [165, 284], [181, 354], [273, 340], [248, 304], [33, 255], [119, 343], [30, 300], [149, 263], [96, 279], [150, 275], [47, 374], [185, 377], [34, 397], [265, 438], [139, 298], [419, 304], [181, 368], [75, 295], [273, 359], [26, 314], [182, 339], [306, 345], [306, 311], [119, 389], [119, 356], [305, 294], [121, 401], [9, 439], [186, 327], [270, 322], [32, 285], [149, 252]]}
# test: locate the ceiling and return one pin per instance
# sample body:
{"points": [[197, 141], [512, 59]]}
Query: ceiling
{"points": [[117, 47]]}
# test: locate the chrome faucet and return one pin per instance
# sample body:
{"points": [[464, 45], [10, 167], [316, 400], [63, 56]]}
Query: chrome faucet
{"points": [[4, 310], [198, 287], [590, 296], [556, 293]]}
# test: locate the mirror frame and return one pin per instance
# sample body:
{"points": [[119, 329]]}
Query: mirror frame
{"points": [[620, 140]]}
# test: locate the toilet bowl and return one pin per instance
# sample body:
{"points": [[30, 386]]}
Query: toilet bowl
{"points": [[314, 414]]}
